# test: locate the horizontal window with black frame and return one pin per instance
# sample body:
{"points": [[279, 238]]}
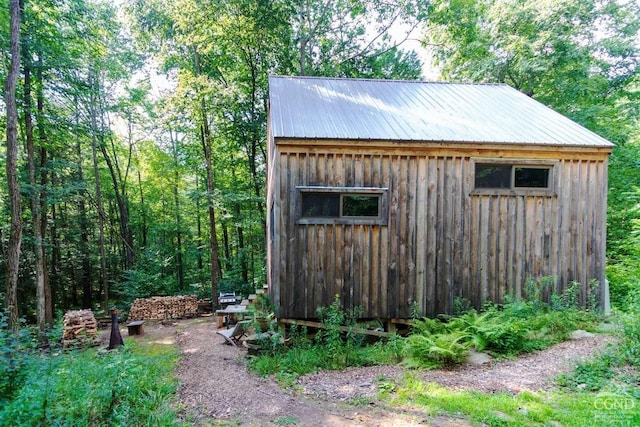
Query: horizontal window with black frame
{"points": [[356, 205], [510, 176]]}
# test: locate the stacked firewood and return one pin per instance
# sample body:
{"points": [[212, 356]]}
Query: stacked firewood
{"points": [[80, 328], [161, 308]]}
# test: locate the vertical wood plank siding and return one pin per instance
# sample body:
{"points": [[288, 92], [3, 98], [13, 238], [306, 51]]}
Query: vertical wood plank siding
{"points": [[442, 240]]}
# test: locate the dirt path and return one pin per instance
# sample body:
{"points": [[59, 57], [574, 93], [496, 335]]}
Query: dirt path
{"points": [[216, 388], [215, 384]]}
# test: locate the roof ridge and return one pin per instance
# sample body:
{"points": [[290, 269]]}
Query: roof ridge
{"points": [[278, 76]]}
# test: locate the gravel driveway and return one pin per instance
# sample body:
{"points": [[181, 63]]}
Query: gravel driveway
{"points": [[217, 389]]}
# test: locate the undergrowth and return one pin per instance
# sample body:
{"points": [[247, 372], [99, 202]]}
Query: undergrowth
{"points": [[520, 325], [545, 408], [617, 368], [337, 346], [85, 387]]}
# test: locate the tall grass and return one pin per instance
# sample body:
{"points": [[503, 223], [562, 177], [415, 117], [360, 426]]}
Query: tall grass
{"points": [[131, 386], [545, 408], [330, 349]]}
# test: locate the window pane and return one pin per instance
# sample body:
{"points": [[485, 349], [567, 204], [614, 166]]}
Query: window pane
{"points": [[492, 176], [316, 205], [532, 177], [360, 205]]}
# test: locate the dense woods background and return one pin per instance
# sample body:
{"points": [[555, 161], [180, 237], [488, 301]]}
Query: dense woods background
{"points": [[135, 160]]}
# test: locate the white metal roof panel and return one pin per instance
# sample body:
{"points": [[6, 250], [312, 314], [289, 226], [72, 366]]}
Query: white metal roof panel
{"points": [[392, 110]]}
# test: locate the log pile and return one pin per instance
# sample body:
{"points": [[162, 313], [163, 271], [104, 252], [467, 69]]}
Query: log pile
{"points": [[161, 308], [80, 328]]}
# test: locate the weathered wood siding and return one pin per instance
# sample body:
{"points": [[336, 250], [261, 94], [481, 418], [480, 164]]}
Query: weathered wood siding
{"points": [[442, 239]]}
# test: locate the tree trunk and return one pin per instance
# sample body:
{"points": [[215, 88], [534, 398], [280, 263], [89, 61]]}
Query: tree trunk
{"points": [[143, 211], [15, 206], [101, 214], [205, 135], [226, 246], [44, 182], [213, 240], [56, 256], [241, 249], [123, 210], [85, 277], [119, 189], [34, 196], [199, 231], [176, 201]]}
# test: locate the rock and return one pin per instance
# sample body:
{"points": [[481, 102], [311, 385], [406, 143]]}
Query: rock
{"points": [[476, 358], [580, 334]]}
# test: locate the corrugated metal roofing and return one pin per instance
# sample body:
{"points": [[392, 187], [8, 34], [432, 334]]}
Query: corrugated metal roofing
{"points": [[392, 110]]}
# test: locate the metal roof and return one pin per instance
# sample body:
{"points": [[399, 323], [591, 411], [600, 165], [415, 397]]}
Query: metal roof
{"points": [[392, 110]]}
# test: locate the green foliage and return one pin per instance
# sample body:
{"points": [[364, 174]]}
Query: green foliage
{"points": [[592, 375], [623, 225], [427, 325], [429, 351], [286, 421], [515, 327], [616, 368], [299, 358], [543, 408], [86, 388], [518, 326], [16, 349], [387, 352], [340, 346], [630, 340], [337, 346], [553, 51]]}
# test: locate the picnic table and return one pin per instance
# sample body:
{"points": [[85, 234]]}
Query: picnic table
{"points": [[231, 311]]}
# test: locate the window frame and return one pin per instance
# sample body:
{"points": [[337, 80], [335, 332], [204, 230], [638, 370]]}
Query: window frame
{"points": [[381, 192], [549, 165]]}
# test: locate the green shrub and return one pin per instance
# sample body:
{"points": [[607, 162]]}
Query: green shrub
{"points": [[592, 375], [624, 277], [508, 337], [340, 345], [427, 351], [86, 388], [473, 325], [16, 351], [629, 347], [623, 228], [336, 346], [427, 325]]}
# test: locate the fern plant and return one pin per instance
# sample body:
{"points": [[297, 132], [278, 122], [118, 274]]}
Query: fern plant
{"points": [[428, 351], [427, 325]]}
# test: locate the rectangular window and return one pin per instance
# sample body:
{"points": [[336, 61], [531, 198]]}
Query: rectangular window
{"points": [[342, 205], [320, 205], [360, 205], [531, 177], [510, 176], [493, 176]]}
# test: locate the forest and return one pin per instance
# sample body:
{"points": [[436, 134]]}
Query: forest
{"points": [[135, 132]]}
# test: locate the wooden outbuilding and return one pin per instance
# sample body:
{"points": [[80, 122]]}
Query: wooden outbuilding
{"points": [[402, 196]]}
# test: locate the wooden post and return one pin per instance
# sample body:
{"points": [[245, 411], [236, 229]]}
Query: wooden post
{"points": [[116, 339]]}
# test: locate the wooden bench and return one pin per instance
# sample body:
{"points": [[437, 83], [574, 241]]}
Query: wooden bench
{"points": [[135, 328]]}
